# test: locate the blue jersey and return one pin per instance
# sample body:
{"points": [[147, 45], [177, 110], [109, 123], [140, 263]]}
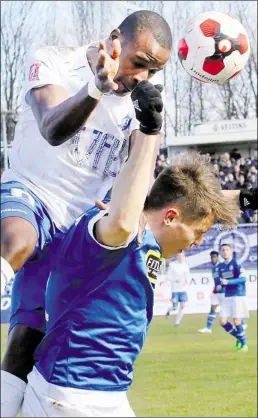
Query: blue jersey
{"points": [[216, 279], [99, 303], [233, 272]]}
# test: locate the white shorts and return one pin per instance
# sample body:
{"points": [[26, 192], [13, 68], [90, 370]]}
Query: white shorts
{"points": [[217, 298], [43, 399], [234, 307]]}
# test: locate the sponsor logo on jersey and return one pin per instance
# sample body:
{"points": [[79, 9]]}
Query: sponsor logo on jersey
{"points": [[100, 151], [153, 263]]}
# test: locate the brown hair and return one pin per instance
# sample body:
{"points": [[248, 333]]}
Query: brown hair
{"points": [[190, 181]]}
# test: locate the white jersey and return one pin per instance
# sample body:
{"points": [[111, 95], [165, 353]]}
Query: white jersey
{"points": [[178, 275], [69, 178]]}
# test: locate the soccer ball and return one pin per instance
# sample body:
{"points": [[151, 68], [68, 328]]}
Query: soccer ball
{"points": [[215, 47]]}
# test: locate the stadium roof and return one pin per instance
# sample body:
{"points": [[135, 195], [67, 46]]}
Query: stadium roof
{"points": [[225, 131]]}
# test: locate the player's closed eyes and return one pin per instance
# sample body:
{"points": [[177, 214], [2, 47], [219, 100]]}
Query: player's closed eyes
{"points": [[141, 65]]}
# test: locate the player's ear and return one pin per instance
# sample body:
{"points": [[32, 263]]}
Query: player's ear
{"points": [[171, 214], [115, 34]]}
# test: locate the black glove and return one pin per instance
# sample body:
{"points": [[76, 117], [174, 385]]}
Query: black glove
{"points": [[148, 106], [249, 199]]}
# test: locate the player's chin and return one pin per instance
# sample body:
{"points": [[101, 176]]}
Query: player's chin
{"points": [[121, 93], [122, 90]]}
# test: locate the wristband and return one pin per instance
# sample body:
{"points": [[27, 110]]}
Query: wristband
{"points": [[148, 131], [93, 91]]}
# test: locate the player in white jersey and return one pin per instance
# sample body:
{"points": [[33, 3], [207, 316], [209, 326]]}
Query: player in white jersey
{"points": [[76, 127], [178, 275]]}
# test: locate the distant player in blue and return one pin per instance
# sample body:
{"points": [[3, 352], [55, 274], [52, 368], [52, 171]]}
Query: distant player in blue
{"points": [[218, 293], [234, 305], [100, 294]]}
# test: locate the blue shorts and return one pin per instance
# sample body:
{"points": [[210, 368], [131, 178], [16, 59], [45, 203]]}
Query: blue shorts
{"points": [[179, 297], [28, 293]]}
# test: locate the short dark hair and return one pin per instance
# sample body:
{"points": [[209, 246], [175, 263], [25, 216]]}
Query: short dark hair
{"points": [[225, 244], [214, 253], [146, 20], [190, 182]]}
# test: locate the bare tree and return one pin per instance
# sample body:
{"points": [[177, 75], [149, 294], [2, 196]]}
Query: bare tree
{"points": [[246, 12], [200, 115], [17, 32], [51, 35], [83, 20], [92, 20]]}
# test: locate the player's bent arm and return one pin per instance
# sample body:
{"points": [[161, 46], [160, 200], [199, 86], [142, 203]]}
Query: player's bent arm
{"points": [[129, 193], [131, 145], [59, 116]]}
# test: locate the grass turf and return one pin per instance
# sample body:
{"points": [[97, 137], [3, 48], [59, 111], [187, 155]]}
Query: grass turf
{"points": [[181, 373]]}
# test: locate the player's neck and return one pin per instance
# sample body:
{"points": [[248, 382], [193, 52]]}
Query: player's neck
{"points": [[228, 261], [153, 222]]}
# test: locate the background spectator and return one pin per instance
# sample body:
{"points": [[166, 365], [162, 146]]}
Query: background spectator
{"points": [[231, 182], [242, 183], [233, 172], [235, 154]]}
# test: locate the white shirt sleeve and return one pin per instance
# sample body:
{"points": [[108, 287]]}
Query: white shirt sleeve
{"points": [[93, 222], [42, 68]]}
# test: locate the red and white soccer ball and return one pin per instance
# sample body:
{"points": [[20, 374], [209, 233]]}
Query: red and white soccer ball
{"points": [[214, 48]]}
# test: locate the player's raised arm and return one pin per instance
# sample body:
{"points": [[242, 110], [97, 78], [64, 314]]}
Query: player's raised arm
{"points": [[131, 187], [60, 116]]}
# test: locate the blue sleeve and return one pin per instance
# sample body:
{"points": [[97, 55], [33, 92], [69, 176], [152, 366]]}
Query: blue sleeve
{"points": [[101, 255], [239, 280], [238, 268], [215, 273]]}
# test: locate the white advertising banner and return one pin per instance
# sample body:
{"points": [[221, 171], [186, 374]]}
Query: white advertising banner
{"points": [[199, 292]]}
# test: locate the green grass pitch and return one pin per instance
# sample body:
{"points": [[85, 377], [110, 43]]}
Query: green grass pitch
{"points": [[182, 373]]}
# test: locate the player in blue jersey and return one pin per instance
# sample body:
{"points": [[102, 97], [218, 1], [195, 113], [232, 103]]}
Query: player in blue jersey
{"points": [[234, 305], [100, 293], [76, 128], [217, 293]]}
